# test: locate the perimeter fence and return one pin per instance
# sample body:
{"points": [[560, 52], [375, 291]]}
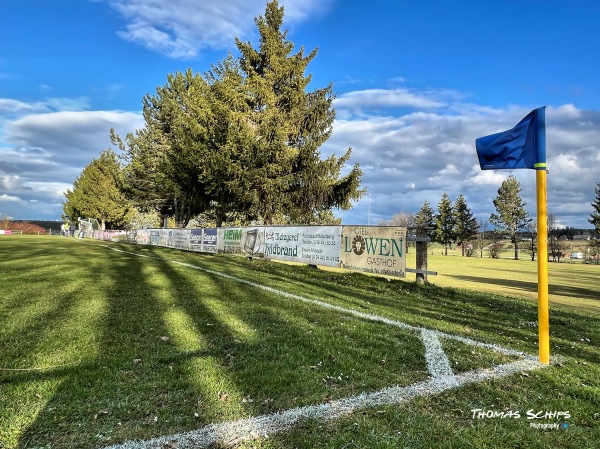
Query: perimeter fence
{"points": [[375, 249]]}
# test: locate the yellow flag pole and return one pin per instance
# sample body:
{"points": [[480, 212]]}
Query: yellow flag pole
{"points": [[542, 237], [542, 241]]}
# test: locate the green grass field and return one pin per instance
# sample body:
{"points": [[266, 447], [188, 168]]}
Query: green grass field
{"points": [[571, 284], [100, 347]]}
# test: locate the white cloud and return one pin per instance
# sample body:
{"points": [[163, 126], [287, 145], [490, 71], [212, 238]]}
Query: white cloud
{"points": [[565, 165], [68, 104], [488, 177], [435, 153], [567, 111], [10, 108], [382, 98], [10, 182], [70, 135], [50, 190], [13, 108], [42, 151], [449, 169], [7, 198], [182, 28]]}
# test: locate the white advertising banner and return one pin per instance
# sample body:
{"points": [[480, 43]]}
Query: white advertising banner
{"points": [[154, 236], [142, 237], [316, 245], [376, 249], [178, 238]]}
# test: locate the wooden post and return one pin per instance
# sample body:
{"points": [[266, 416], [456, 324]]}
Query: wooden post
{"points": [[421, 250]]}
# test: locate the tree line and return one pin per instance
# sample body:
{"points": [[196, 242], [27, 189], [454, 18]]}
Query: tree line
{"points": [[237, 144], [454, 223]]}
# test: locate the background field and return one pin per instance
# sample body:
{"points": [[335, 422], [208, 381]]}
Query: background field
{"points": [[571, 283], [101, 346]]}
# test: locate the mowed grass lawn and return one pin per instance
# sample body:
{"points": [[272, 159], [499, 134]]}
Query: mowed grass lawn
{"points": [[99, 347], [571, 283]]}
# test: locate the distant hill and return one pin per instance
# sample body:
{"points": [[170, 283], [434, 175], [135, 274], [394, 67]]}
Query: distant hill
{"points": [[33, 226]]}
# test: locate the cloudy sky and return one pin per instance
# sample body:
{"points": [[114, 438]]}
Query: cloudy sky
{"points": [[416, 83]]}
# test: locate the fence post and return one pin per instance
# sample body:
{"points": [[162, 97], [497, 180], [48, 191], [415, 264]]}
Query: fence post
{"points": [[421, 255]]}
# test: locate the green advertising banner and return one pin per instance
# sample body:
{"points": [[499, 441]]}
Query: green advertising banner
{"points": [[241, 241], [375, 249]]}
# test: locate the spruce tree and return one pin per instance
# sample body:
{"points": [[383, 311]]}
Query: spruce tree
{"points": [[465, 224], [425, 215], [242, 142], [97, 193], [512, 216], [444, 221], [281, 170]]}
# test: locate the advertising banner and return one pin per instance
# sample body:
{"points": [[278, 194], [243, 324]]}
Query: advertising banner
{"points": [[142, 237], [178, 238], [376, 249], [241, 241], [196, 240], [317, 245], [155, 236], [209, 240], [131, 236], [163, 234]]}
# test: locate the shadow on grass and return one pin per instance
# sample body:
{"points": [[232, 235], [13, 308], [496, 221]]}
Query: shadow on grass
{"points": [[234, 353], [427, 306], [124, 386], [276, 341], [564, 290], [488, 317], [108, 397]]}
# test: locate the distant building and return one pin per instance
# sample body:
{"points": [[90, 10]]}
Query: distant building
{"points": [[585, 236]]}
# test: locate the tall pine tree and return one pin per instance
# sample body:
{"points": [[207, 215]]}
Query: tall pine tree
{"points": [[97, 193], [512, 216], [242, 142], [281, 170], [425, 215], [444, 221], [465, 224]]}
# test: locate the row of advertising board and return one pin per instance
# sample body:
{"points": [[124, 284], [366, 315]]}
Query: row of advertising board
{"points": [[376, 249]]}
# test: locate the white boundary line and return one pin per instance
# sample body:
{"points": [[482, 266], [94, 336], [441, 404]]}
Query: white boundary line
{"points": [[437, 361], [442, 379], [356, 313], [233, 432]]}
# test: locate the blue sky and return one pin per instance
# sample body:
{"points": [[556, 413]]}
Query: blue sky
{"points": [[416, 83]]}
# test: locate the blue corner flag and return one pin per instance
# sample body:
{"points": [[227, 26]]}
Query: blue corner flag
{"points": [[524, 146]]}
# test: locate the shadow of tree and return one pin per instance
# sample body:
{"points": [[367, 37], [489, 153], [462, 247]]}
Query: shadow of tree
{"points": [[564, 290], [163, 343]]}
